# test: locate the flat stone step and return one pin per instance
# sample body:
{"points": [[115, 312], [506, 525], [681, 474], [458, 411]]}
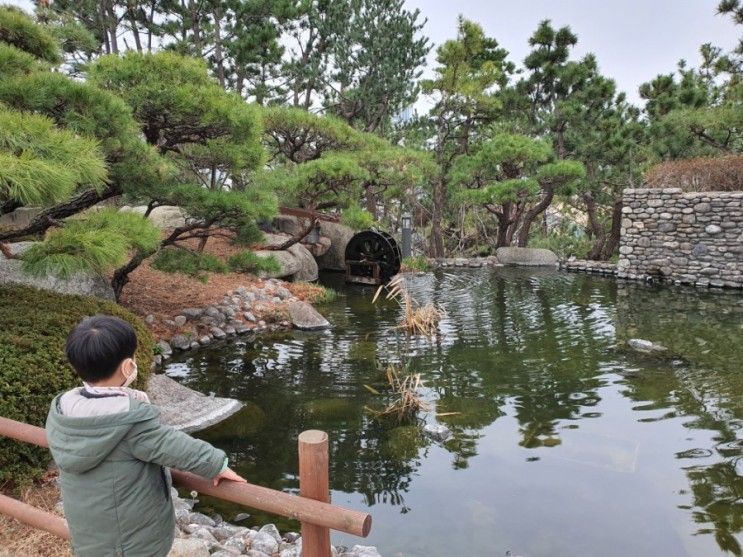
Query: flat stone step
{"points": [[185, 409], [306, 318]]}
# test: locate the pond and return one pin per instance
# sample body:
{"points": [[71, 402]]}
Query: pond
{"points": [[565, 442]]}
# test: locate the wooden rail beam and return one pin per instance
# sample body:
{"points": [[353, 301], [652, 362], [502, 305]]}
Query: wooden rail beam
{"points": [[304, 509]]}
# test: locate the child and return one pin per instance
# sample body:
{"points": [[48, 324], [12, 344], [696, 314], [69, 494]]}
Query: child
{"points": [[113, 453]]}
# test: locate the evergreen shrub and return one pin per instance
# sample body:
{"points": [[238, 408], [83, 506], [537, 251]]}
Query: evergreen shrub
{"points": [[34, 325]]}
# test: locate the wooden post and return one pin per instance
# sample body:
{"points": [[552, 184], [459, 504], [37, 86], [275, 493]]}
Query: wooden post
{"points": [[314, 484]]}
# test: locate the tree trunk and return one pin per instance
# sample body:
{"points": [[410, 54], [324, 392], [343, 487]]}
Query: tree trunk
{"points": [[437, 240], [121, 276], [371, 200], [48, 217], [615, 232], [135, 29], [598, 231], [531, 215], [218, 46]]}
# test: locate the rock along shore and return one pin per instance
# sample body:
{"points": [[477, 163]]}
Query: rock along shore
{"points": [[198, 535]]}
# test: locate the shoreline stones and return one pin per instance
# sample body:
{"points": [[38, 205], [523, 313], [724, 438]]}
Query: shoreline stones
{"points": [[472, 262], [198, 535], [241, 312]]}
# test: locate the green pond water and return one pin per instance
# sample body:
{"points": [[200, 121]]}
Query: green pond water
{"points": [[565, 442]]}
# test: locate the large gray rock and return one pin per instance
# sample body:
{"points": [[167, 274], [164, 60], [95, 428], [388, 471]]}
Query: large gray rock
{"points": [[335, 258], [534, 257], [20, 218], [296, 262], [303, 316], [80, 283], [167, 216], [185, 409], [188, 547]]}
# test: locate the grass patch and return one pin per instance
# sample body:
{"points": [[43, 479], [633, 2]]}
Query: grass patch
{"points": [[189, 263], [418, 263], [249, 262], [33, 367]]}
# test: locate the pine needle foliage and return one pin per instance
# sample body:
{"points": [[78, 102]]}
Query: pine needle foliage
{"points": [[18, 29], [94, 244], [15, 61], [41, 164]]}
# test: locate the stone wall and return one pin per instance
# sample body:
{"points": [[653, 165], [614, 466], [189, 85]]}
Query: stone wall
{"points": [[688, 238]]}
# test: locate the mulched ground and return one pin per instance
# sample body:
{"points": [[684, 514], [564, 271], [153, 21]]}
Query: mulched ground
{"points": [[165, 295]]}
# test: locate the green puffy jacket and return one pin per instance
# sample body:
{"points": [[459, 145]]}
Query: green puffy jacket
{"points": [[115, 487]]}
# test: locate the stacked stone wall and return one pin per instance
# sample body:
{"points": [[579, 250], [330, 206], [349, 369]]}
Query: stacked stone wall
{"points": [[688, 238]]}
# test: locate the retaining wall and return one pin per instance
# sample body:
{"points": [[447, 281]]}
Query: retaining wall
{"points": [[689, 238]]}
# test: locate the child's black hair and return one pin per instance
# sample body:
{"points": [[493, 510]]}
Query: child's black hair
{"points": [[98, 345]]}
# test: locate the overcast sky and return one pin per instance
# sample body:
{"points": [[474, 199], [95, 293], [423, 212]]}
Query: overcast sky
{"points": [[634, 40]]}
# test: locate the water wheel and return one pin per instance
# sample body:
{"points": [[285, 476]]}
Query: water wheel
{"points": [[372, 257]]}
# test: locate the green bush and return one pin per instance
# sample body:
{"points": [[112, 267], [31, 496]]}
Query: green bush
{"points": [[417, 263], [33, 328], [565, 241], [249, 262], [326, 296], [189, 263]]}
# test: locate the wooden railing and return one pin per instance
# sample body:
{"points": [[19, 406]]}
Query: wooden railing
{"points": [[312, 507]]}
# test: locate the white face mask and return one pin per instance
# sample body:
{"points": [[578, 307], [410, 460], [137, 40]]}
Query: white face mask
{"points": [[130, 379]]}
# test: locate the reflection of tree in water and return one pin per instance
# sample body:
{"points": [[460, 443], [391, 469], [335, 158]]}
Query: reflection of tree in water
{"points": [[518, 341], [704, 385]]}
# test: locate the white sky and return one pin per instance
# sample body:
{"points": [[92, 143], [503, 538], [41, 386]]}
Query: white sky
{"points": [[634, 40]]}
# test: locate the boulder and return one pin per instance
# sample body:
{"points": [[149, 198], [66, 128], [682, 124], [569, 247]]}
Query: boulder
{"points": [[334, 259], [645, 346], [167, 216], [534, 257], [303, 316], [437, 432], [20, 218], [188, 547], [83, 284], [296, 262]]}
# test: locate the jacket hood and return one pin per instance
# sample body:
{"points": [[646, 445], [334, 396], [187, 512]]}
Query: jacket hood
{"points": [[80, 444]]}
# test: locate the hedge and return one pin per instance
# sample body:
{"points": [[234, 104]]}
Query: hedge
{"points": [[33, 328]]}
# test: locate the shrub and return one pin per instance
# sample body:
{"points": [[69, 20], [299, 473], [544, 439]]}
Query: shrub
{"points": [[566, 241], [249, 262], [417, 263], [189, 263], [700, 174], [33, 367], [325, 296]]}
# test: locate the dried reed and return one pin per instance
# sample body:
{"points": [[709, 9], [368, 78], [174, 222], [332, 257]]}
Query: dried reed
{"points": [[417, 319], [407, 401]]}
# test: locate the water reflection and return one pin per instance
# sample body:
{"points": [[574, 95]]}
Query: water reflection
{"points": [[533, 377]]}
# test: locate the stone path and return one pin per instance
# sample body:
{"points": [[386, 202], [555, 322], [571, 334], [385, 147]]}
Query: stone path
{"points": [[185, 409]]}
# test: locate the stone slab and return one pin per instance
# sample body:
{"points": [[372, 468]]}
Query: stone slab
{"points": [[303, 316], [185, 409], [532, 257]]}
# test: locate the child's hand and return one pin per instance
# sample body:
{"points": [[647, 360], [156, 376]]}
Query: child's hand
{"points": [[228, 474]]}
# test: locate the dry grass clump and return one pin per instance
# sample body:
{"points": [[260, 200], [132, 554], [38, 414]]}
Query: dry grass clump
{"points": [[417, 319], [19, 540], [699, 174], [407, 401]]}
